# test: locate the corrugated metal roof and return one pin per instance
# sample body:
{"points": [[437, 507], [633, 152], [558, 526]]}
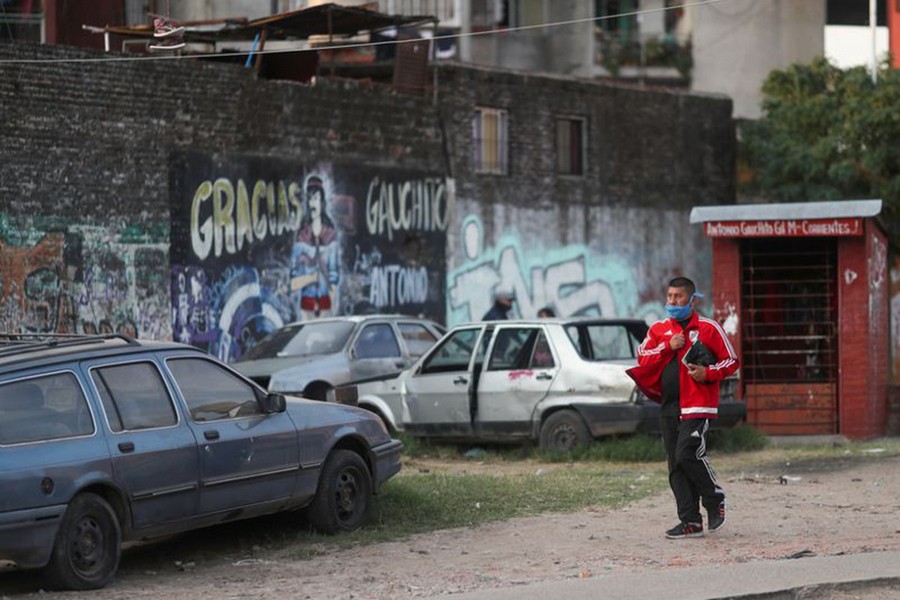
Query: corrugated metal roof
{"points": [[322, 19], [788, 210]]}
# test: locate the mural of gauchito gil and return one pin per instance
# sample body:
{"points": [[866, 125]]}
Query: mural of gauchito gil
{"points": [[259, 242], [60, 275]]}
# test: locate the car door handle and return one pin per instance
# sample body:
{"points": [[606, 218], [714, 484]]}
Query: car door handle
{"points": [[400, 364], [126, 447], [460, 380], [544, 376], [211, 434]]}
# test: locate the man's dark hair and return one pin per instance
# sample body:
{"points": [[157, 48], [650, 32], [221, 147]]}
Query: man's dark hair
{"points": [[682, 282]]}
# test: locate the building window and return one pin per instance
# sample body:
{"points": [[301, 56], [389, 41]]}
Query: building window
{"points": [[570, 146], [21, 21], [488, 14], [489, 137]]}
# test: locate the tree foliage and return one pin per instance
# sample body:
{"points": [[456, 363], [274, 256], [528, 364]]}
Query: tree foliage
{"points": [[826, 134]]}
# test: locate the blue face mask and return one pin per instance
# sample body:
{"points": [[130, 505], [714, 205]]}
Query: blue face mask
{"points": [[680, 313]]}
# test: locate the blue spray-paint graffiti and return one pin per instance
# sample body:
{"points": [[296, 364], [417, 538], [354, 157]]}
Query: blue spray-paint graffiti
{"points": [[226, 315], [570, 279]]}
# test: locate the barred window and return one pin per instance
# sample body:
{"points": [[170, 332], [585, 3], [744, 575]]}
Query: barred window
{"points": [[570, 146], [489, 136]]}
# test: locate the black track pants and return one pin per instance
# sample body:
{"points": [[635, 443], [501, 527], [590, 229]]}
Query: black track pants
{"points": [[691, 477]]}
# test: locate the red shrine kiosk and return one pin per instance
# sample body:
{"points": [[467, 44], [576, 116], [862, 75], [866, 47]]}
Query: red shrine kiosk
{"points": [[802, 291]]}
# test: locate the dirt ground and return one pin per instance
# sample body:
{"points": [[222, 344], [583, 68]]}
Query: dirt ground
{"points": [[826, 508]]}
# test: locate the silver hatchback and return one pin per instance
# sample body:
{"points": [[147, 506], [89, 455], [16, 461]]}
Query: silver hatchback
{"points": [[559, 382], [309, 358]]}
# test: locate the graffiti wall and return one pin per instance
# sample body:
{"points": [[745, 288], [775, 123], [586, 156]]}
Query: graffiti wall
{"points": [[62, 276], [602, 266], [894, 316], [257, 243]]}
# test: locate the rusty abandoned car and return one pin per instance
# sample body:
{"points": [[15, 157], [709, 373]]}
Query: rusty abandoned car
{"points": [[106, 438]]}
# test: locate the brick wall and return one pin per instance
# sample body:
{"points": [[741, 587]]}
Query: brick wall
{"points": [[88, 150], [863, 331], [726, 276], [878, 329], [93, 138]]}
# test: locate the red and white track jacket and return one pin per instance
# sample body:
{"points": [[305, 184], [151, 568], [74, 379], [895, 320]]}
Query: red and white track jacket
{"points": [[698, 400]]}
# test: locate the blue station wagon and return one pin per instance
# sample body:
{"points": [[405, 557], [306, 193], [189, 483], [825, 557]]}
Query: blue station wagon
{"points": [[106, 438]]}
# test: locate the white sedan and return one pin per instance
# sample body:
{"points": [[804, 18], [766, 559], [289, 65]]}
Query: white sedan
{"points": [[558, 382]]}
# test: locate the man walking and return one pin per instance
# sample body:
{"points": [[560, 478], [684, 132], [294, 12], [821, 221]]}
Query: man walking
{"points": [[503, 302], [680, 364]]}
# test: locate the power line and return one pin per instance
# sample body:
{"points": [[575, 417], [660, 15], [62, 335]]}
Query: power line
{"points": [[435, 38]]}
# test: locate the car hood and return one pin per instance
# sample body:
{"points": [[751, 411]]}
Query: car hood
{"points": [[265, 366], [332, 368]]}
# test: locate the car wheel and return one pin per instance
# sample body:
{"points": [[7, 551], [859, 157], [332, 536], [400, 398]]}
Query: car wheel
{"points": [[88, 546], [317, 390], [563, 431], [344, 498]]}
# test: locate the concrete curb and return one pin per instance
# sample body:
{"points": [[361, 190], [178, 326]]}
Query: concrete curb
{"points": [[807, 592], [783, 579]]}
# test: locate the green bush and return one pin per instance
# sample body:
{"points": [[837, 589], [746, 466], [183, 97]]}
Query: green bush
{"points": [[743, 438]]}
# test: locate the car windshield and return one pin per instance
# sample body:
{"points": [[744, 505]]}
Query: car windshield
{"points": [[303, 339]]}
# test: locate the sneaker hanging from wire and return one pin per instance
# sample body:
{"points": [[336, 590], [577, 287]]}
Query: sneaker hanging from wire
{"points": [[163, 28], [168, 44]]}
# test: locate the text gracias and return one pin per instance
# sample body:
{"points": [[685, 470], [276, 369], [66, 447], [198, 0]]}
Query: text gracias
{"points": [[224, 216]]}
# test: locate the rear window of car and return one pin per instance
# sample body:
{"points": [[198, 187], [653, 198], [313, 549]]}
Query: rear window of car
{"points": [[603, 342], [303, 339], [513, 348], [43, 408], [377, 341]]}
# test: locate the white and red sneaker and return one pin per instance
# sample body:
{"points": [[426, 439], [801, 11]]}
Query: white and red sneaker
{"points": [[163, 28]]}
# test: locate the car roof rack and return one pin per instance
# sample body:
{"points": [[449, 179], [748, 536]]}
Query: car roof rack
{"points": [[17, 343]]}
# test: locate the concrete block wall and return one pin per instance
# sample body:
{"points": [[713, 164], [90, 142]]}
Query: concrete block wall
{"points": [[893, 420], [601, 243], [878, 329]]}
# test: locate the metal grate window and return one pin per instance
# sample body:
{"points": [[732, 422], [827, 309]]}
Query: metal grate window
{"points": [[570, 146], [789, 310], [489, 143], [21, 21]]}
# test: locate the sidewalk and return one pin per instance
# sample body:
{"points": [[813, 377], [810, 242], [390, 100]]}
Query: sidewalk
{"points": [[753, 580]]}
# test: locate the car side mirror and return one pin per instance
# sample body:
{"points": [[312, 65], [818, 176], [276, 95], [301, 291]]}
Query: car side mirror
{"points": [[274, 402]]}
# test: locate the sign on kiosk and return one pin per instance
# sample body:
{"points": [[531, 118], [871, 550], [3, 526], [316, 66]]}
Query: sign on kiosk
{"points": [[785, 228]]}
